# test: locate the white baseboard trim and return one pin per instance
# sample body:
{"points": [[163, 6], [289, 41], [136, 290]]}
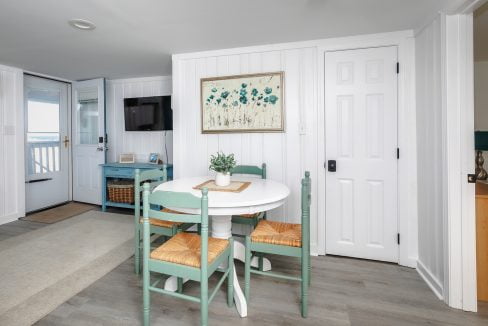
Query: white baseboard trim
{"points": [[408, 262], [314, 250], [430, 279], [8, 218]]}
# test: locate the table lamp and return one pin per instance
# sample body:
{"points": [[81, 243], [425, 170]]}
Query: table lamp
{"points": [[480, 144]]}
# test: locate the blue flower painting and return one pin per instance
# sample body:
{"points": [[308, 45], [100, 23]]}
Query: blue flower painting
{"points": [[245, 103]]}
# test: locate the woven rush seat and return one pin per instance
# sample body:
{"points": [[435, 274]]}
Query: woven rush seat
{"points": [[162, 223], [277, 233], [184, 249], [249, 215]]}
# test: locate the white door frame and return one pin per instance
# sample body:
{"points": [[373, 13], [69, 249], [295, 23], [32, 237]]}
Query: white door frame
{"points": [[70, 157], [460, 285], [407, 141]]}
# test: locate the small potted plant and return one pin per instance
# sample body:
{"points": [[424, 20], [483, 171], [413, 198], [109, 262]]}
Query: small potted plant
{"points": [[222, 164]]}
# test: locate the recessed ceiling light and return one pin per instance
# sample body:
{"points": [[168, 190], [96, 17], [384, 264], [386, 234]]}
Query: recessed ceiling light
{"points": [[82, 24]]}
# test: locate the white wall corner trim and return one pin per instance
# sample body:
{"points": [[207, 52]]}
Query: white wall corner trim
{"points": [[459, 108], [434, 284], [447, 233], [430, 150], [12, 177], [289, 154]]}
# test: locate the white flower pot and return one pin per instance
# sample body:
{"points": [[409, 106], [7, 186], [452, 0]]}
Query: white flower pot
{"points": [[222, 179]]}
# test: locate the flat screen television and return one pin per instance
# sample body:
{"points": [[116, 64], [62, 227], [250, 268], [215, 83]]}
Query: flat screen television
{"points": [[148, 113]]}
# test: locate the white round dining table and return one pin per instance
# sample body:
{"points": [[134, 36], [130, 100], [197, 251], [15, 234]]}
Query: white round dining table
{"points": [[261, 195]]}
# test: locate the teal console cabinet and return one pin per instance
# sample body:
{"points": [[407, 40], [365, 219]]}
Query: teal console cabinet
{"points": [[125, 171]]}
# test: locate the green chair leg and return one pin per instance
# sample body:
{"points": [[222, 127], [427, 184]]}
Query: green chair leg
{"points": [[146, 297], [309, 271], [137, 250], [204, 301], [305, 285], [261, 262], [180, 285], [230, 277], [247, 268]]}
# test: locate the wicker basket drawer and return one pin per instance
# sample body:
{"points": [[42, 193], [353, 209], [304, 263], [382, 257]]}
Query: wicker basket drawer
{"points": [[121, 191]]}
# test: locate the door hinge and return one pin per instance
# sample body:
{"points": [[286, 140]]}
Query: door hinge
{"points": [[398, 153], [398, 238], [398, 67]]}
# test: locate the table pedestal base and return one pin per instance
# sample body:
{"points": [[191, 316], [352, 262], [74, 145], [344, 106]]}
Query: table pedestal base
{"points": [[222, 228]]}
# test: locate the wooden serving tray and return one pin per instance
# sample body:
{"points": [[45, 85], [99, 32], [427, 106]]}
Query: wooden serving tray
{"points": [[235, 186]]}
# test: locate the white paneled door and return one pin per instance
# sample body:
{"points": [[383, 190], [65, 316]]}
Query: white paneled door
{"points": [[88, 139], [361, 153], [47, 145]]}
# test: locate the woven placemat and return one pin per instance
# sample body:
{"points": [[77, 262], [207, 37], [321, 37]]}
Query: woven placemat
{"points": [[235, 186]]}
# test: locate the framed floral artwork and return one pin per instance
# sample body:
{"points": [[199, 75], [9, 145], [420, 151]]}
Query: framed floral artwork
{"points": [[243, 103]]}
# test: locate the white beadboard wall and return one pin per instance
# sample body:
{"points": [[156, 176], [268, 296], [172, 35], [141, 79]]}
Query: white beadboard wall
{"points": [[481, 97], [481, 100], [287, 155], [430, 155], [12, 180], [140, 143], [301, 147]]}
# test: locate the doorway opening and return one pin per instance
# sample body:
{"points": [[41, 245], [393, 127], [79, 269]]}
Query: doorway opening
{"points": [[480, 34], [47, 142], [65, 141]]}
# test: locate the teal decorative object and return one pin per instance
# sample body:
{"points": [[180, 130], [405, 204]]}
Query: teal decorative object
{"points": [[481, 140], [480, 144]]}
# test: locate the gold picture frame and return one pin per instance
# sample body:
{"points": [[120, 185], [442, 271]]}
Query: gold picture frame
{"points": [[243, 103]]}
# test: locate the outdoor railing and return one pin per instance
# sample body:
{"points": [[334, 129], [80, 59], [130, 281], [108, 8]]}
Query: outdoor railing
{"points": [[43, 157]]}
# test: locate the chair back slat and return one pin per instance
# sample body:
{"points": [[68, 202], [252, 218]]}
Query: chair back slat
{"points": [[174, 217], [154, 174], [250, 170], [175, 199]]}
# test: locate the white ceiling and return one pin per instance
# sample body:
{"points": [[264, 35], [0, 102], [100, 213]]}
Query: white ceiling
{"points": [[137, 37], [480, 26]]}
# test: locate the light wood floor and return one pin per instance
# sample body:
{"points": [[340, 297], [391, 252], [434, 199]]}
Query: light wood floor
{"points": [[343, 292]]}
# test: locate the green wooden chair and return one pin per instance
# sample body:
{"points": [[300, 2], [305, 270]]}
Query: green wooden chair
{"points": [[186, 255], [249, 219], [163, 228], [284, 239]]}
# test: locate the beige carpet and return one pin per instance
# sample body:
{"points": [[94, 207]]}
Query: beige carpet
{"points": [[59, 213], [40, 270]]}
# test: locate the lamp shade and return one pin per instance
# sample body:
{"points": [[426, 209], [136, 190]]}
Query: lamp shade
{"points": [[481, 140]]}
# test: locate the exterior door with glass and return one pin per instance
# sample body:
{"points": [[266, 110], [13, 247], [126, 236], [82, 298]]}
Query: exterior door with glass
{"points": [[47, 145], [88, 139]]}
